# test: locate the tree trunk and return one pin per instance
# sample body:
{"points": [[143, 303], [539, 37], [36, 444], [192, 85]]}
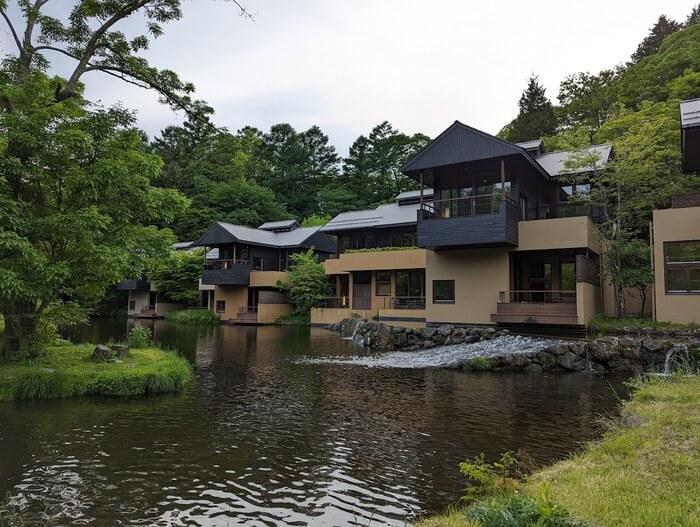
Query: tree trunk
{"points": [[21, 338], [620, 301]]}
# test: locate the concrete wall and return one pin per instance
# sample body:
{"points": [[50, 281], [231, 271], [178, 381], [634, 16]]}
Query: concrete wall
{"points": [[387, 260], [267, 278], [234, 296], [269, 313], [559, 233], [668, 225], [633, 301], [324, 316], [140, 298], [479, 275], [405, 318], [588, 301], [165, 307]]}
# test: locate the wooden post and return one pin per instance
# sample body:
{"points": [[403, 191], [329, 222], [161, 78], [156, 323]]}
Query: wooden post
{"points": [[421, 192], [503, 179]]}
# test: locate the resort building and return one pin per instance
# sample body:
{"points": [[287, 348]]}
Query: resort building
{"points": [[675, 236], [144, 300], [244, 265], [498, 233]]}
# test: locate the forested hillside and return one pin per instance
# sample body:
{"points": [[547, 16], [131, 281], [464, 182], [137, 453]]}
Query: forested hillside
{"points": [[252, 176]]}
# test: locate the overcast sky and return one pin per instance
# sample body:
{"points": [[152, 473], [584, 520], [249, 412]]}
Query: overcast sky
{"points": [[348, 65]]}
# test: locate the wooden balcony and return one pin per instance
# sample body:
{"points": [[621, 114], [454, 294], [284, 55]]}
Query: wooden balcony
{"points": [[247, 315], [475, 221], [226, 272], [556, 308]]}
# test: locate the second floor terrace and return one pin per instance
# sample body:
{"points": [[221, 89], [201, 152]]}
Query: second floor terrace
{"points": [[482, 187]]}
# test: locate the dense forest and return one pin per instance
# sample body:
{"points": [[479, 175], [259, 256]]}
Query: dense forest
{"points": [[253, 176]]}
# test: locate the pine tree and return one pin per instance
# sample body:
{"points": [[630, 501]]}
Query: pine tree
{"points": [[536, 117], [664, 27]]}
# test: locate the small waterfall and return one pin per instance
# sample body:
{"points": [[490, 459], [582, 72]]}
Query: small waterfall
{"points": [[677, 355], [354, 336], [589, 364]]}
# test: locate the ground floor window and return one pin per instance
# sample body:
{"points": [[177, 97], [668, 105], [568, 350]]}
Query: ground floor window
{"points": [[383, 283], [220, 306], [132, 305], [443, 291], [682, 267]]}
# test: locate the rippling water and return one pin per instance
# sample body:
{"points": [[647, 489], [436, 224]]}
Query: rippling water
{"points": [[269, 437]]}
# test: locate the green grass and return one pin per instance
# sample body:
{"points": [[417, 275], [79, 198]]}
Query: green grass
{"points": [[611, 325], [379, 249], [199, 317], [294, 319], [644, 472], [67, 371]]}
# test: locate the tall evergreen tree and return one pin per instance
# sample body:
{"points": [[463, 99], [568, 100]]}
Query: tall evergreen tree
{"points": [[536, 117], [664, 27]]}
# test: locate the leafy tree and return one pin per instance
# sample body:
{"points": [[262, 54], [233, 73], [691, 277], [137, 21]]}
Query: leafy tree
{"points": [[75, 195], [664, 27], [536, 117], [308, 283], [245, 203], [587, 100], [650, 79], [316, 220], [694, 16], [177, 276], [194, 222]]}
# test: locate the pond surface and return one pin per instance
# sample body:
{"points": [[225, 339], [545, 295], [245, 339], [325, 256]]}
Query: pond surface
{"points": [[268, 437]]}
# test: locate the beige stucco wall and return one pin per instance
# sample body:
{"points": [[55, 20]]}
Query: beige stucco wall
{"points": [[588, 301], [377, 261], [235, 296], [165, 307], [671, 225], [323, 316], [267, 278], [393, 317], [558, 233], [479, 275], [269, 313], [141, 298], [633, 301]]}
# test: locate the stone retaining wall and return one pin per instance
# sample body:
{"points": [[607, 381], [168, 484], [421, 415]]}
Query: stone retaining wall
{"points": [[646, 353]]}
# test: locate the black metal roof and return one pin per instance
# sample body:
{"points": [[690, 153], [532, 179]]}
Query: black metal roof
{"points": [[461, 144]]}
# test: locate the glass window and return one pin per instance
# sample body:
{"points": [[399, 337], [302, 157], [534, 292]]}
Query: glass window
{"points": [[443, 291], [243, 253], [257, 263], [383, 283], [410, 283], [132, 305], [682, 262], [220, 306]]}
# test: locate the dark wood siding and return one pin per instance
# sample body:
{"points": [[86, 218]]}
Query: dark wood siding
{"points": [[238, 274], [481, 230]]}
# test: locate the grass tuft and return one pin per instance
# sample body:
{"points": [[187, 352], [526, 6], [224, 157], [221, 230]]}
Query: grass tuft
{"points": [[600, 324], [193, 317], [69, 371]]}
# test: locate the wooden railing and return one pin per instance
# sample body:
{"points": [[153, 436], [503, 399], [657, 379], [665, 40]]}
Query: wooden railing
{"points": [[223, 265], [337, 302], [542, 296], [465, 206], [405, 302]]}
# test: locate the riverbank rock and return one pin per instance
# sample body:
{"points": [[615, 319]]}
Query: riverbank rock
{"points": [[120, 350], [102, 352], [629, 354]]}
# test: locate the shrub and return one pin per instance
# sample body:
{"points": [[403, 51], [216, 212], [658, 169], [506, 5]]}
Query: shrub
{"points": [[479, 364], [308, 283], [139, 337], [195, 317], [519, 511], [490, 479]]}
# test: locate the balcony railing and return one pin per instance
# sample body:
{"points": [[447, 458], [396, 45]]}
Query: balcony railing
{"points": [[337, 302], [244, 310], [465, 206], [405, 302], [536, 297], [223, 265]]}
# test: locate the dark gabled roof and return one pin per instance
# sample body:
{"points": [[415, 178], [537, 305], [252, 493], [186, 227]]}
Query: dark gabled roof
{"points": [[279, 225], [690, 113], [463, 144], [222, 233]]}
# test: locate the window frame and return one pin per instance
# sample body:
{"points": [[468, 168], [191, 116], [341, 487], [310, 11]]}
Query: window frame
{"points": [[221, 303], [684, 267], [377, 282], [442, 301]]}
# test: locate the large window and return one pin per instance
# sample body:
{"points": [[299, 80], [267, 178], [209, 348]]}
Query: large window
{"points": [[383, 283], [682, 262], [410, 284], [443, 291]]}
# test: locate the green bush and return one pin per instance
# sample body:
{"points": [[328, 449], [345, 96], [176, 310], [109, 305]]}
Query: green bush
{"points": [[194, 317], [479, 364], [519, 511], [139, 337], [602, 324], [308, 284], [294, 319]]}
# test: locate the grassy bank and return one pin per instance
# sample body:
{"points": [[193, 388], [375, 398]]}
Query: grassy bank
{"points": [[67, 371], [600, 324], [194, 317], [643, 473]]}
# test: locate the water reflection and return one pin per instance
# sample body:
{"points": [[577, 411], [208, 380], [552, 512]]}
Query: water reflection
{"points": [[262, 439]]}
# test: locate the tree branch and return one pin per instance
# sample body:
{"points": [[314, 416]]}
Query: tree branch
{"points": [[12, 29]]}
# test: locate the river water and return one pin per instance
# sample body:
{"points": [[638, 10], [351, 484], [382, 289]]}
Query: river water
{"points": [[274, 433]]}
